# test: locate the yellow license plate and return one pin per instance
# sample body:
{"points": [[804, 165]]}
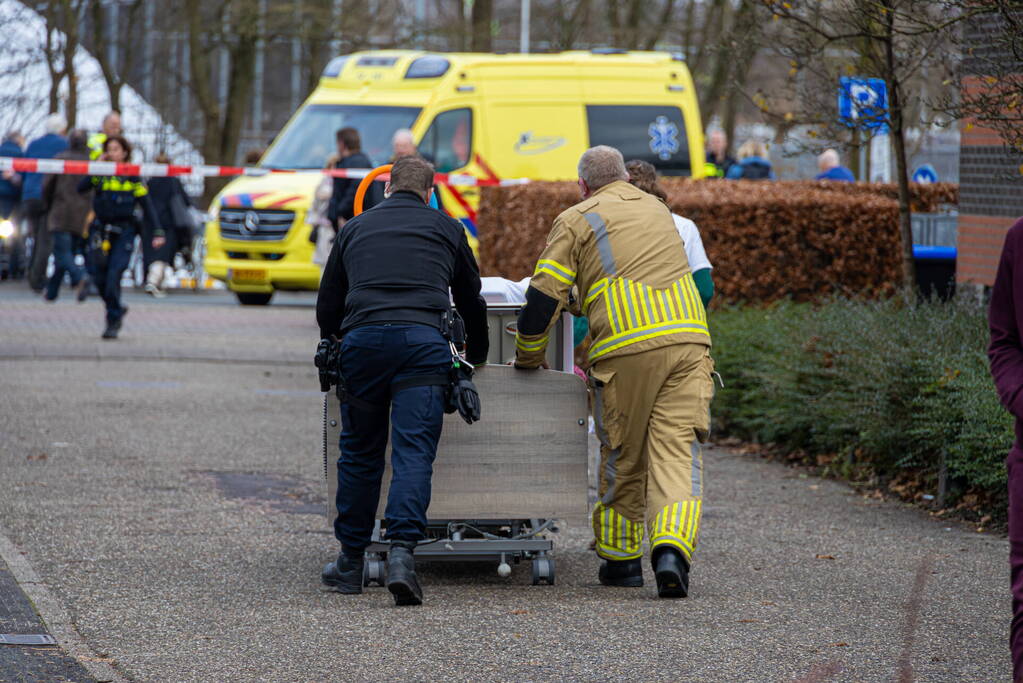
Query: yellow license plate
{"points": [[249, 275]]}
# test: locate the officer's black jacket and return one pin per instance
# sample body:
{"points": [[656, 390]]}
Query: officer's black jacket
{"points": [[395, 264]]}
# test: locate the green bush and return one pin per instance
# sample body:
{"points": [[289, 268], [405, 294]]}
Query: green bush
{"points": [[891, 386]]}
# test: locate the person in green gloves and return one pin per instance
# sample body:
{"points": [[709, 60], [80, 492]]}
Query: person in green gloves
{"points": [[643, 175]]}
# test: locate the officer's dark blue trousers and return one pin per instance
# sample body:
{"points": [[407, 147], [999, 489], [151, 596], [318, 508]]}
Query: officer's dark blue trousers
{"points": [[106, 272], [373, 358]]}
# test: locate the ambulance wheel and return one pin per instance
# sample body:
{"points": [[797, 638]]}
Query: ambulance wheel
{"points": [[543, 571], [254, 298], [374, 572]]}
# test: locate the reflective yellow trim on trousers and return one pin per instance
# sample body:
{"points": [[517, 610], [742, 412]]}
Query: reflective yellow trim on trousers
{"points": [[535, 345], [677, 525], [555, 270], [617, 537]]}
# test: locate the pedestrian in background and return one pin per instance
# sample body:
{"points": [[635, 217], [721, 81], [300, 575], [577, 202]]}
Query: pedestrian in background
{"points": [[111, 126], [45, 147], [753, 163], [643, 175], [1005, 319], [403, 144], [112, 233], [718, 159], [10, 182], [830, 166], [67, 210], [172, 205], [341, 207]]}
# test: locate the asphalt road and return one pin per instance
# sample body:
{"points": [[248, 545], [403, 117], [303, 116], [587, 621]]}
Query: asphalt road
{"points": [[167, 489]]}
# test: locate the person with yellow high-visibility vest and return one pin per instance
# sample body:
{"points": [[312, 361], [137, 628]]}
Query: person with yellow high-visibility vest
{"points": [[619, 254], [111, 126]]}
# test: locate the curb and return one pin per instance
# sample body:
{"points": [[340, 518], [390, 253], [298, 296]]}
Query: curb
{"points": [[54, 617]]}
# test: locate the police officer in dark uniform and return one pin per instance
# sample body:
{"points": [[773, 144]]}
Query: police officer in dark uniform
{"points": [[390, 277]]}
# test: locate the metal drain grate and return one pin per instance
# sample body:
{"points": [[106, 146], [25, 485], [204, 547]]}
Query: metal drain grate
{"points": [[26, 639]]}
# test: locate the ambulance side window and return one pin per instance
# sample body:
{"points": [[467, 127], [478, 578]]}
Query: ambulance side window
{"points": [[652, 133], [447, 143]]}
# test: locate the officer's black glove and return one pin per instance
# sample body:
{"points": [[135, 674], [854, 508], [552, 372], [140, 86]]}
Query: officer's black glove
{"points": [[464, 398]]}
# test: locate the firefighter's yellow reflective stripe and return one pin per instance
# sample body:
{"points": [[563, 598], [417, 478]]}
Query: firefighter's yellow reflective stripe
{"points": [[617, 341], [556, 270], [596, 289], [617, 308], [618, 538], [651, 313], [531, 345], [678, 525], [682, 308]]}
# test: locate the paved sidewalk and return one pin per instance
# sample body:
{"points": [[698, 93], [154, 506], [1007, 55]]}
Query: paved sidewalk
{"points": [[174, 508]]}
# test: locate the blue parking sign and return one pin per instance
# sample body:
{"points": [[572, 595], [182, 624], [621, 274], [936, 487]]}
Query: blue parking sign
{"points": [[925, 174], [863, 103]]}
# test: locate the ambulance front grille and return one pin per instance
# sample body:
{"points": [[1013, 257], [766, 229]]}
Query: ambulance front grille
{"points": [[255, 224]]}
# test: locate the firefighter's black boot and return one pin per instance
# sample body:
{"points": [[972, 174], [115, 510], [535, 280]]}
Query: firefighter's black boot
{"points": [[622, 573], [401, 574], [672, 573], [344, 574]]}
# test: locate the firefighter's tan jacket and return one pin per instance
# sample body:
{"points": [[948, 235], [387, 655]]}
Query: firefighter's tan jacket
{"points": [[621, 253]]}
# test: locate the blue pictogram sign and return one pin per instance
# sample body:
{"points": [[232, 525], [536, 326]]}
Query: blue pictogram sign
{"points": [[663, 138], [925, 174], [863, 103]]}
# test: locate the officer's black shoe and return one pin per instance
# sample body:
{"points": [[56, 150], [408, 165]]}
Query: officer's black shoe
{"points": [[622, 573], [672, 572], [344, 574], [401, 575], [111, 331]]}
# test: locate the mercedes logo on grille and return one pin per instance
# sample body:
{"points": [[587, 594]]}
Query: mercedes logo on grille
{"points": [[251, 223]]}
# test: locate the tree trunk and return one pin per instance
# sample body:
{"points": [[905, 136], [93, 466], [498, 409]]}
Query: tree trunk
{"points": [[895, 104], [482, 17], [239, 90], [71, 38], [202, 87]]}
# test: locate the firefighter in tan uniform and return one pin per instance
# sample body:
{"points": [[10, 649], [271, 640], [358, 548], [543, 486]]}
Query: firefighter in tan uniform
{"points": [[618, 258]]}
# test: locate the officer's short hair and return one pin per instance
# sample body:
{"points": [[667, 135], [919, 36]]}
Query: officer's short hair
{"points": [[350, 137], [412, 174], [601, 165]]}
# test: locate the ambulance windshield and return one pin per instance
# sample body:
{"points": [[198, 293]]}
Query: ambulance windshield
{"points": [[311, 137]]}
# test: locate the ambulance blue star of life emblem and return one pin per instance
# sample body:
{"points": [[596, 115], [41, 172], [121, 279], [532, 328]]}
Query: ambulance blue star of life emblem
{"points": [[663, 137]]}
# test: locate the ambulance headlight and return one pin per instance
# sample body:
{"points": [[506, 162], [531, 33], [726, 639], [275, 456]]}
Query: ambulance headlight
{"points": [[6, 229]]}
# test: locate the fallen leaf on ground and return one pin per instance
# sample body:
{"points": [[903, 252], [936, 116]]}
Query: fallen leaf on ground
{"points": [[825, 557], [839, 644], [519, 611], [41, 456], [106, 660], [749, 621]]}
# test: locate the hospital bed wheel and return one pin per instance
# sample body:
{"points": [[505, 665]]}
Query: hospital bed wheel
{"points": [[543, 571], [374, 572]]}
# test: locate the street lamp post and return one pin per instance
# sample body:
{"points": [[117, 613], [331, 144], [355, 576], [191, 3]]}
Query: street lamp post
{"points": [[524, 28]]}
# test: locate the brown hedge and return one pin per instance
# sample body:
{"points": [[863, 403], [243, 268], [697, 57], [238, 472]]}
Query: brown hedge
{"points": [[767, 240]]}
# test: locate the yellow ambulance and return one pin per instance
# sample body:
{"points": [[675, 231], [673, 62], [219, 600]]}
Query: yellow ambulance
{"points": [[490, 116]]}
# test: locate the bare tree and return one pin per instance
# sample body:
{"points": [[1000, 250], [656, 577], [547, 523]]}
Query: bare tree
{"points": [[111, 48], [989, 81], [893, 40]]}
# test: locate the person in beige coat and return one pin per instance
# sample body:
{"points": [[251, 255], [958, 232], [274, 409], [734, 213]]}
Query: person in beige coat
{"points": [[67, 214], [617, 256]]}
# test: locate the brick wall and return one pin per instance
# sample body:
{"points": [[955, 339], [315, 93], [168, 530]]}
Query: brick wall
{"points": [[990, 175]]}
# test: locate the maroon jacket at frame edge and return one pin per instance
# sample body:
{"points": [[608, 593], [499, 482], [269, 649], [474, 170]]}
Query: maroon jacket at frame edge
{"points": [[1005, 352]]}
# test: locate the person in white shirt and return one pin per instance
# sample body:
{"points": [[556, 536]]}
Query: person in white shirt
{"points": [[643, 175]]}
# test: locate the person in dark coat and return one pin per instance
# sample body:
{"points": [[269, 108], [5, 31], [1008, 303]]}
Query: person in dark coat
{"points": [[1005, 352], [753, 163], [66, 213], [342, 200], [169, 200], [46, 146], [10, 182]]}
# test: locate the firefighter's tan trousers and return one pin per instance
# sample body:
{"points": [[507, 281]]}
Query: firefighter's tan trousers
{"points": [[652, 412]]}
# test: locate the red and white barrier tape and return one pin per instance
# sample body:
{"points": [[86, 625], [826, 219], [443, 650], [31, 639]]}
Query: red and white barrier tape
{"points": [[107, 168]]}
